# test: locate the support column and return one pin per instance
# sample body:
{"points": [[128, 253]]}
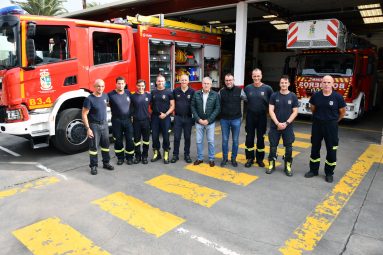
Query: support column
{"points": [[240, 43]]}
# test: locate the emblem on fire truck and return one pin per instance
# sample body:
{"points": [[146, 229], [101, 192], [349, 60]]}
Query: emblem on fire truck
{"points": [[45, 80]]}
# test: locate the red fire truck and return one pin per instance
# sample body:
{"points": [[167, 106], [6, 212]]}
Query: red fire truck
{"points": [[327, 49], [48, 66]]}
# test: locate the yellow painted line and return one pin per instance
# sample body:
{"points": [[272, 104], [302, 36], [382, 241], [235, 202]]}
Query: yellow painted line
{"points": [[295, 144], [241, 159], [30, 185], [51, 237], [139, 214], [223, 174], [344, 127], [280, 151], [302, 135], [193, 192], [307, 236]]}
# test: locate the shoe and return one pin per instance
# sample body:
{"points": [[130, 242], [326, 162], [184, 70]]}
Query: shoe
{"points": [[329, 178], [249, 163], [211, 163], [136, 160], [260, 163], [271, 167], [156, 156], [108, 166], [288, 170], [93, 170], [129, 161], [120, 162], [310, 174], [144, 161], [197, 162], [174, 159], [166, 157], [234, 163], [187, 159], [224, 162]]}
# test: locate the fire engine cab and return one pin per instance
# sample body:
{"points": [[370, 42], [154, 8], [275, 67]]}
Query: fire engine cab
{"points": [[48, 66], [325, 48]]}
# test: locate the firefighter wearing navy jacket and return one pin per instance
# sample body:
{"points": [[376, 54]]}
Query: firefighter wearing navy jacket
{"points": [[328, 108], [283, 108]]}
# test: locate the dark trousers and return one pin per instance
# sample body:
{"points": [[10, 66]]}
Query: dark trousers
{"points": [[288, 138], [160, 126], [141, 129], [255, 122], [100, 139], [184, 124], [123, 128], [327, 130]]}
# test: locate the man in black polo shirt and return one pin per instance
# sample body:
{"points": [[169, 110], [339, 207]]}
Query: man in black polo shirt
{"points": [[95, 121], [119, 102], [141, 122], [231, 114], [258, 95], [283, 108], [183, 119], [162, 107], [328, 108]]}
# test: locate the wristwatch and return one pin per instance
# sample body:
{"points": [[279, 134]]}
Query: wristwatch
{"points": [[287, 123]]}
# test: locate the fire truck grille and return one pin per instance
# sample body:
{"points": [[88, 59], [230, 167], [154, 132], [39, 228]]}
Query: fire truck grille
{"points": [[3, 114], [321, 43], [302, 44]]}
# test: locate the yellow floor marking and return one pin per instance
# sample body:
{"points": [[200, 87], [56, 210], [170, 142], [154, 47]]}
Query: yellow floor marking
{"points": [[241, 159], [197, 194], [302, 135], [295, 144], [138, 213], [223, 174], [344, 127], [280, 151], [51, 237], [30, 185], [307, 236]]}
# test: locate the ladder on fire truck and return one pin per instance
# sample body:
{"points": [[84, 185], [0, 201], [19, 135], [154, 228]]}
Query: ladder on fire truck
{"points": [[167, 23]]}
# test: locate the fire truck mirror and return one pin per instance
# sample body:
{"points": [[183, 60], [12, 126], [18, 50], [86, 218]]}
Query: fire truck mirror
{"points": [[31, 52], [31, 29]]}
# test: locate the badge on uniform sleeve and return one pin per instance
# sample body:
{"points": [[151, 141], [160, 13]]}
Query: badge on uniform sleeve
{"points": [[262, 93], [331, 102], [289, 101]]}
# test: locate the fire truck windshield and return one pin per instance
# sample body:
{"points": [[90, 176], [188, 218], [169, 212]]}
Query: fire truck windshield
{"points": [[336, 64], [9, 50]]}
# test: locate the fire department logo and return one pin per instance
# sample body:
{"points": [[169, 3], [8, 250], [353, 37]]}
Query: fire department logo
{"points": [[188, 96], [146, 99], [331, 103], [128, 98], [277, 100], [45, 80], [163, 97], [289, 101], [178, 95], [262, 93]]}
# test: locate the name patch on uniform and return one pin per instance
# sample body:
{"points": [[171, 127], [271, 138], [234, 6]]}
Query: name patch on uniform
{"points": [[331, 102]]}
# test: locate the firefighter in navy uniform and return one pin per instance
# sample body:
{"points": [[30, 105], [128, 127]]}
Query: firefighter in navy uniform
{"points": [[328, 108], [183, 119], [140, 101], [119, 102], [162, 107], [258, 95], [96, 124], [283, 108]]}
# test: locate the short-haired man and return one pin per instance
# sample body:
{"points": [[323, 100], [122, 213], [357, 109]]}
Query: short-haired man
{"points": [[96, 123], [162, 107], [141, 122], [283, 108], [183, 119], [231, 114], [328, 108], [258, 96], [205, 108], [119, 102]]}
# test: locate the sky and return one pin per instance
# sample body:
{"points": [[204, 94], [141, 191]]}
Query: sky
{"points": [[70, 5]]}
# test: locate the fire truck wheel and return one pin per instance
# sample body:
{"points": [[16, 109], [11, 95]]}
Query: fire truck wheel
{"points": [[361, 110], [70, 132]]}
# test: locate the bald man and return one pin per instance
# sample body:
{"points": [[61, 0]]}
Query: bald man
{"points": [[328, 108]]}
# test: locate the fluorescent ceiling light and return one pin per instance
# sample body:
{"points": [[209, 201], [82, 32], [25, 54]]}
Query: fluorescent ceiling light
{"points": [[269, 16], [368, 6], [214, 22], [371, 12], [277, 22], [281, 26], [371, 20]]}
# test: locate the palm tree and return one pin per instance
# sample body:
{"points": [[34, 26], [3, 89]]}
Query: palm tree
{"points": [[42, 7], [92, 4]]}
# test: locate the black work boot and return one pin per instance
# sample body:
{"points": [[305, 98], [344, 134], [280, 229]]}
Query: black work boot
{"points": [[156, 156], [137, 160], [249, 163], [175, 158], [93, 170], [271, 167], [108, 166], [288, 170], [166, 157]]}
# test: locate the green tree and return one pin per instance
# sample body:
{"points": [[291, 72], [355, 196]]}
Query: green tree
{"points": [[92, 4], [42, 7]]}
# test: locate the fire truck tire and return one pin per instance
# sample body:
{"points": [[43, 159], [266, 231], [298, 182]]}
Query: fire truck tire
{"points": [[70, 135], [361, 110]]}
